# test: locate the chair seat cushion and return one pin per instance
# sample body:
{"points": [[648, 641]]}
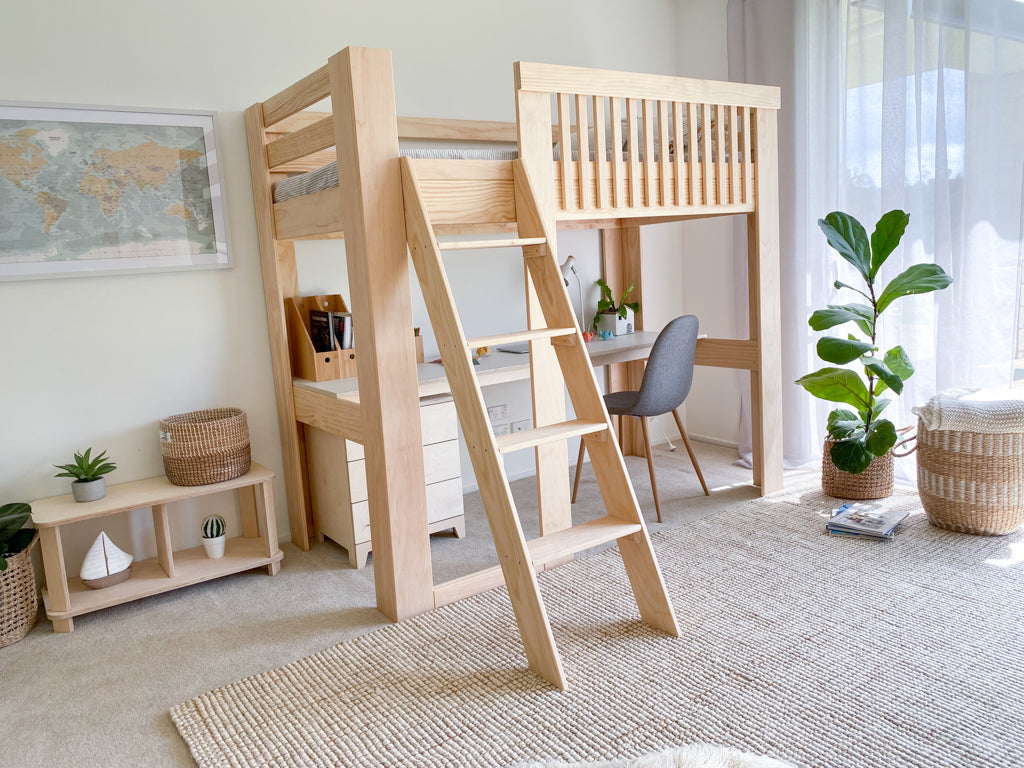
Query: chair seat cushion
{"points": [[621, 403]]}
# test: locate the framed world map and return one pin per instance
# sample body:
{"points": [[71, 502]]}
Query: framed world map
{"points": [[100, 191]]}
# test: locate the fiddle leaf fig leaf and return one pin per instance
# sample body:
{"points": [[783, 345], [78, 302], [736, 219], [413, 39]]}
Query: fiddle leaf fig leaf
{"points": [[837, 385], [887, 235], [837, 314], [841, 351], [880, 405], [919, 278], [896, 360], [843, 424], [880, 437], [850, 239], [851, 456], [878, 368]]}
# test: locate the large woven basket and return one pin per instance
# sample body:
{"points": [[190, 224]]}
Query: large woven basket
{"points": [[19, 603], [203, 447], [971, 481], [875, 482]]}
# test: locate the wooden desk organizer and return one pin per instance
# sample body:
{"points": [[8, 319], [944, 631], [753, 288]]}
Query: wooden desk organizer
{"points": [[307, 363]]}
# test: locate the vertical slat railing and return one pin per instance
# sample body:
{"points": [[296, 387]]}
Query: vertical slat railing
{"points": [[665, 153], [650, 166], [692, 179], [633, 148], [707, 196], [677, 142], [734, 159], [586, 168], [600, 152], [721, 169], [748, 158], [565, 148], [618, 165]]}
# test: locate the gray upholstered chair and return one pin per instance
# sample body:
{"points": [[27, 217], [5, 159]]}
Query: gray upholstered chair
{"points": [[666, 383]]}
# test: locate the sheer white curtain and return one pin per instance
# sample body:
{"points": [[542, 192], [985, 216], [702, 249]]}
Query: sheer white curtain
{"points": [[895, 104]]}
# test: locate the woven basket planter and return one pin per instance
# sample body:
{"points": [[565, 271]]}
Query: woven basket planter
{"points": [[19, 603], [204, 447], [971, 481], [875, 482]]}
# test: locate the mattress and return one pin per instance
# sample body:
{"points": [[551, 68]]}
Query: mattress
{"points": [[326, 177]]}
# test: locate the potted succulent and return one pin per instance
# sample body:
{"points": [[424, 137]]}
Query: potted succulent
{"points": [[87, 471], [214, 536], [18, 600], [860, 441], [618, 318]]}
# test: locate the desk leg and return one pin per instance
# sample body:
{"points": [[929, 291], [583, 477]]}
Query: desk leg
{"points": [[247, 508], [56, 577]]}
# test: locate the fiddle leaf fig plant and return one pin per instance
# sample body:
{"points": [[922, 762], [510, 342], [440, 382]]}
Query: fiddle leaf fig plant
{"points": [[860, 434]]}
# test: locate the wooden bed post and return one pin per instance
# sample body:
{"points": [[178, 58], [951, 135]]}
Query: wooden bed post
{"points": [[280, 281], [765, 309], [533, 112], [620, 265], [369, 173]]}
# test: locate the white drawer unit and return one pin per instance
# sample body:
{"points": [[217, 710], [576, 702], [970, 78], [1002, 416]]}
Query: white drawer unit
{"points": [[338, 481]]}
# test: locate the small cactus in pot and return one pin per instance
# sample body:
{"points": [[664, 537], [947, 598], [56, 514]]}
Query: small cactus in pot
{"points": [[213, 536]]}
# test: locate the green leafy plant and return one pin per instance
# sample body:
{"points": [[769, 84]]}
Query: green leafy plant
{"points": [[13, 537], [606, 304], [87, 468], [860, 435]]}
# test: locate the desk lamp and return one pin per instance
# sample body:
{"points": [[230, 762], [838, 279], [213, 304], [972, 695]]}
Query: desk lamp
{"points": [[567, 268]]}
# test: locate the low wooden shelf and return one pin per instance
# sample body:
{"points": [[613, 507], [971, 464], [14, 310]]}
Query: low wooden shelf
{"points": [[66, 597]]}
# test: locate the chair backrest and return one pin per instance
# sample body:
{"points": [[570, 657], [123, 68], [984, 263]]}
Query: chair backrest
{"points": [[669, 372]]}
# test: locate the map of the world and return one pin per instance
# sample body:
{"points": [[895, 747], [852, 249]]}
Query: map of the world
{"points": [[78, 191]]}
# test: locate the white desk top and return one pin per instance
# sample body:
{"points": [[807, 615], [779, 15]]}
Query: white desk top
{"points": [[497, 367]]}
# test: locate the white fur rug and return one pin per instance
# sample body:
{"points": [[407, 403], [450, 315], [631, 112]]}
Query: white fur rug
{"points": [[690, 756]]}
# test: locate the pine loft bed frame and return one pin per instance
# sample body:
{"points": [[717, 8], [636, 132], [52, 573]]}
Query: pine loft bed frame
{"points": [[722, 160]]}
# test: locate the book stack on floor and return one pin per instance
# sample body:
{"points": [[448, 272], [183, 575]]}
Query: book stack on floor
{"points": [[870, 520]]}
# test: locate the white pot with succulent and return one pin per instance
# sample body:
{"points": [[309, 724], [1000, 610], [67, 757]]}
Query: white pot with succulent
{"points": [[214, 536], [87, 471]]}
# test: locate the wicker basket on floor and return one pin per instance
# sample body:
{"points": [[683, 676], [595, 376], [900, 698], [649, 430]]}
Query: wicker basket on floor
{"points": [[875, 482], [971, 482], [19, 603], [203, 447]]}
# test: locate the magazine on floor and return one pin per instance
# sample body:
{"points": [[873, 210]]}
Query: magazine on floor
{"points": [[865, 519]]}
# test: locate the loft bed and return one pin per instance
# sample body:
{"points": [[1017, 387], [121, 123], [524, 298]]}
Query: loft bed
{"points": [[673, 149]]}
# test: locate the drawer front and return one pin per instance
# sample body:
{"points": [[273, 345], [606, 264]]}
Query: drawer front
{"points": [[444, 501], [438, 422], [440, 462]]}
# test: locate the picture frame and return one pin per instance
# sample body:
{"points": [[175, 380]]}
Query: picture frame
{"points": [[109, 190]]}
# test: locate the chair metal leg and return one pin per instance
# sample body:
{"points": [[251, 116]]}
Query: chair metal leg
{"points": [[650, 464], [579, 468], [689, 450]]}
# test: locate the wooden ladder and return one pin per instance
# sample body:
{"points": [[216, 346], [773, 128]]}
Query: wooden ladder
{"points": [[519, 558]]}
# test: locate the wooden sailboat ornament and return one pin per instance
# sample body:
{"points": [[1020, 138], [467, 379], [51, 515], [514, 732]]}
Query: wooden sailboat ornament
{"points": [[104, 564]]}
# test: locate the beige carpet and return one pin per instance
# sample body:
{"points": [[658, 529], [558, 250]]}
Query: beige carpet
{"points": [[815, 650]]}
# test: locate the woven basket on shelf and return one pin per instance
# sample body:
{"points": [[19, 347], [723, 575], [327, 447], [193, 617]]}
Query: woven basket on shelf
{"points": [[19, 603], [203, 447], [971, 481], [875, 482]]}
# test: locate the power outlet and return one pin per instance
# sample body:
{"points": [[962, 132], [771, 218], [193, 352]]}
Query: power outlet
{"points": [[522, 425], [498, 413], [501, 429]]}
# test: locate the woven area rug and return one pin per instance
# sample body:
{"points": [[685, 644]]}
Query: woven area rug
{"points": [[816, 650]]}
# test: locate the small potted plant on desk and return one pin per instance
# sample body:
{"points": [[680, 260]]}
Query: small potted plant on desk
{"points": [[858, 459], [89, 483], [617, 318]]}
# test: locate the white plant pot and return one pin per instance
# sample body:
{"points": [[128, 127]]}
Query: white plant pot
{"points": [[91, 490], [618, 325], [215, 547]]}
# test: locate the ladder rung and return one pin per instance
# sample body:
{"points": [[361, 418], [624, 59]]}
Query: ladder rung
{"points": [[530, 438], [472, 245], [579, 537], [518, 336]]}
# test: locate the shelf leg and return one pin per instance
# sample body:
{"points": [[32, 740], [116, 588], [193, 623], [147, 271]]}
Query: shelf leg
{"points": [[265, 505], [274, 567], [163, 539], [247, 507], [56, 577]]}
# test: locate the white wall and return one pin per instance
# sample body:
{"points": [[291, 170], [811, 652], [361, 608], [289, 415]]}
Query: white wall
{"points": [[98, 360]]}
